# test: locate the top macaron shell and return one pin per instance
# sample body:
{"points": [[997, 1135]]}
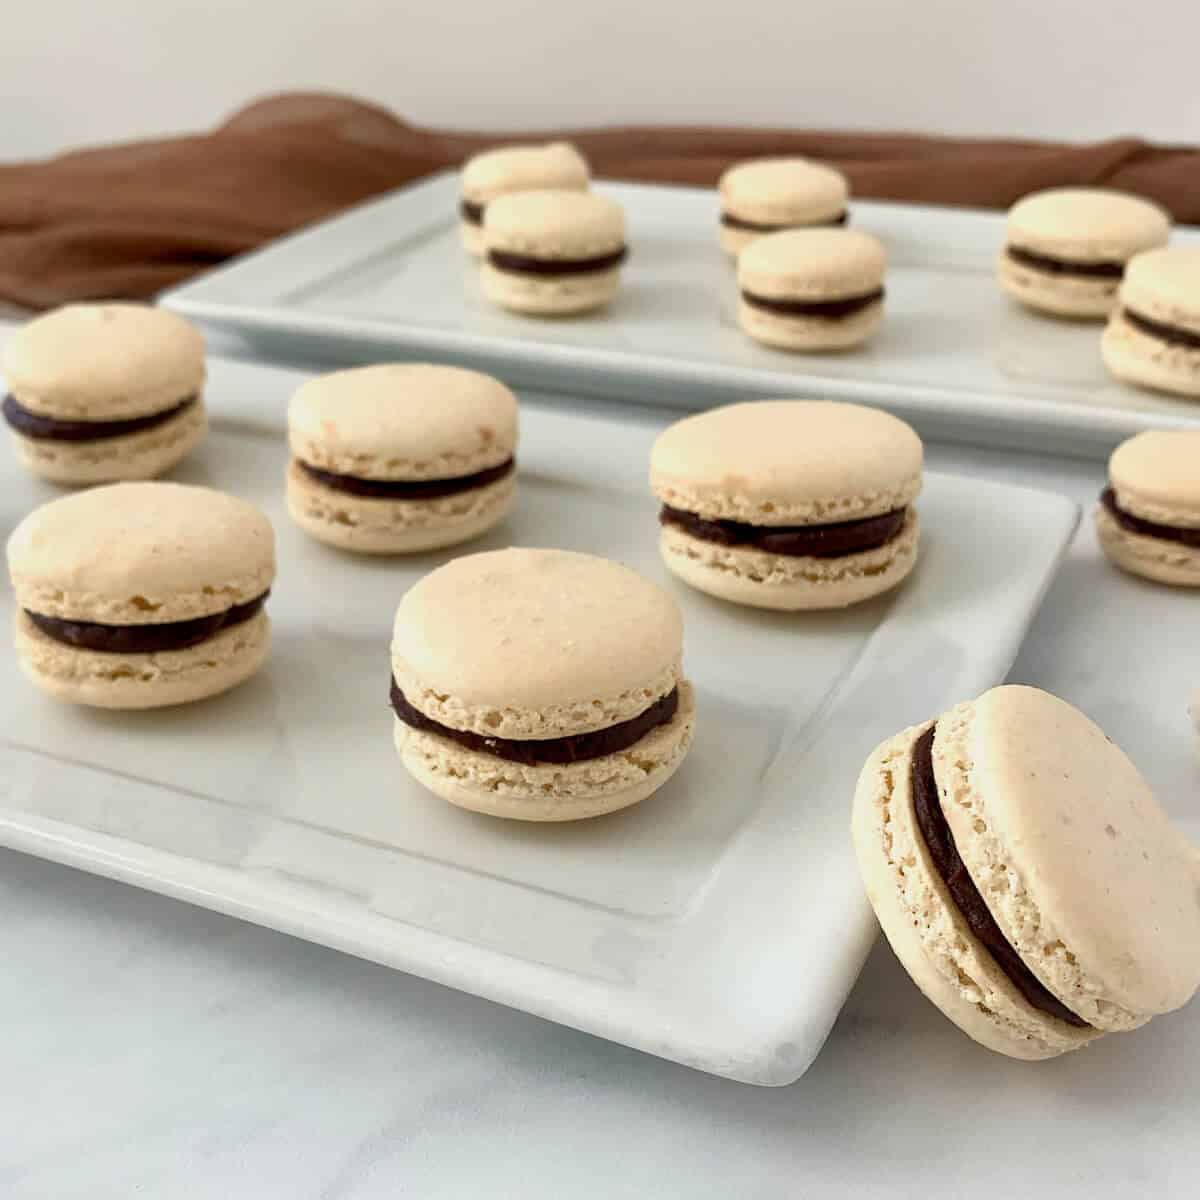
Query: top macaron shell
{"points": [[812, 264], [104, 362], [403, 421], [1155, 477], [521, 168], [555, 224], [783, 191], [1164, 285], [535, 643], [1087, 224], [788, 462]]}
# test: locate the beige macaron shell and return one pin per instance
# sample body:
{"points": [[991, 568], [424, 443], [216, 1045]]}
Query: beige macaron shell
{"points": [[522, 168], [1079, 866], [141, 554], [535, 643], [554, 224], [1159, 559], [783, 191], [1156, 476], [540, 295], [924, 926], [403, 421], [812, 264], [549, 791], [1164, 285], [1141, 358], [1062, 295], [140, 455], [788, 462], [102, 362], [1087, 224], [810, 334]]}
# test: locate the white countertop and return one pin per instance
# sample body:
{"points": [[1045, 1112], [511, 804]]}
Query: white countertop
{"points": [[156, 1049]]}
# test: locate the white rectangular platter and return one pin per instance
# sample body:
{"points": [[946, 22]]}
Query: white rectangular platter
{"points": [[720, 923], [956, 356]]}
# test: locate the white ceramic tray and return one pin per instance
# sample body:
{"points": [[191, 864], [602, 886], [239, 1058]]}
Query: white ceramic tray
{"points": [[720, 923], [956, 356]]}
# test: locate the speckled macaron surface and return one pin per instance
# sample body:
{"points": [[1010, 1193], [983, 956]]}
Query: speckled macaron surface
{"points": [[767, 195], [552, 252], [1026, 877], [102, 392], [507, 169], [139, 595], [1148, 519], [1153, 336], [789, 504], [812, 289], [1066, 248], [401, 457], [540, 685]]}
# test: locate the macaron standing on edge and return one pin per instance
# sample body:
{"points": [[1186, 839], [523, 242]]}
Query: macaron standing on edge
{"points": [[1026, 877], [789, 504], [1066, 248], [140, 595], [767, 195], [812, 289], [104, 392], [1148, 520], [1153, 337], [553, 253], [540, 685], [507, 169], [398, 458]]}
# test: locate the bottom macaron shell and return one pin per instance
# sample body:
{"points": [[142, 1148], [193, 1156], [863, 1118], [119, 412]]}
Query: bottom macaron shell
{"points": [[471, 236], [1148, 361], [1059, 295], [108, 460], [785, 582], [487, 784], [1150, 557], [809, 333], [924, 926], [371, 526], [143, 680], [545, 296]]}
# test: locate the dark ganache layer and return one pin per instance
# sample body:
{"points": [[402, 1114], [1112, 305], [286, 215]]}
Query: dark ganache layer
{"points": [[800, 541], [577, 748], [1173, 335], [939, 840], [830, 310], [407, 489], [732, 222], [1154, 529], [1063, 266], [471, 213], [38, 427], [144, 639], [525, 264]]}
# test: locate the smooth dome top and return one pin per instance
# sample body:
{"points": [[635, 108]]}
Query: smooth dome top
{"points": [[554, 224], [776, 191], [1087, 224], [520, 168], [812, 263]]}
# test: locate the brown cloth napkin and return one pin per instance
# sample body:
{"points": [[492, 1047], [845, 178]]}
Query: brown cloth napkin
{"points": [[129, 220]]}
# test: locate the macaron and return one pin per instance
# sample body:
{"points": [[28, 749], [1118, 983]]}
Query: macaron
{"points": [[551, 253], [101, 392], [401, 457], [1066, 248], [514, 169], [140, 595], [1153, 336], [812, 289], [540, 685], [789, 504], [1025, 875], [1148, 520], [768, 195]]}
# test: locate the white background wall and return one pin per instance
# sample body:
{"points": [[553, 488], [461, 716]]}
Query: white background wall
{"points": [[79, 71]]}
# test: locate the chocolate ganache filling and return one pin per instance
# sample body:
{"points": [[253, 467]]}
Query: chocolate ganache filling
{"points": [[54, 429], [407, 489], [1154, 529], [830, 310], [807, 541], [524, 264], [471, 213], [1171, 334], [576, 748], [939, 840], [144, 639], [732, 222], [1063, 266]]}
